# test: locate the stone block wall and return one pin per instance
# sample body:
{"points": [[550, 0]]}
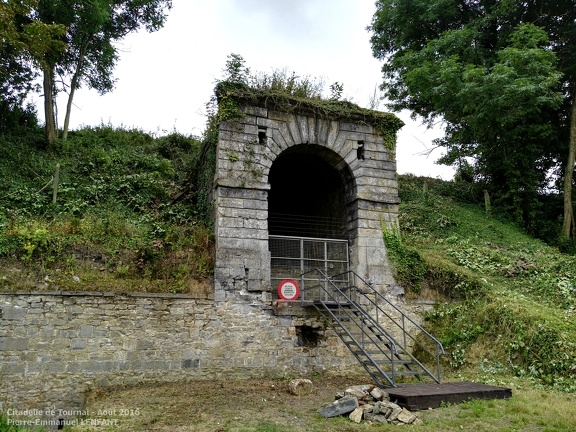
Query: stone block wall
{"points": [[56, 346], [241, 232]]}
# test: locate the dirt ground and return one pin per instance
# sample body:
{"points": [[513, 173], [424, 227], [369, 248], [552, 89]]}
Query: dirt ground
{"points": [[266, 405], [218, 406]]}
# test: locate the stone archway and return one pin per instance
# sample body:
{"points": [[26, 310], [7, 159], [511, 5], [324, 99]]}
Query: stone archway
{"points": [[349, 154]]}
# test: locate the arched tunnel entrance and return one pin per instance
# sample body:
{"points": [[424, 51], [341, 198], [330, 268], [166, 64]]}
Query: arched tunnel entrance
{"points": [[320, 179], [310, 187], [307, 196], [303, 186]]}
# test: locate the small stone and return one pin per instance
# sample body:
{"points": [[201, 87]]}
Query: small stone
{"points": [[339, 407], [385, 411], [364, 387], [368, 416], [378, 418], [388, 404], [406, 416], [378, 394], [356, 415], [395, 413], [357, 392], [367, 408], [300, 386], [385, 408], [77, 344]]}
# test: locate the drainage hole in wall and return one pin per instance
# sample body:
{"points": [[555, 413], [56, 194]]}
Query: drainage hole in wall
{"points": [[308, 336]]}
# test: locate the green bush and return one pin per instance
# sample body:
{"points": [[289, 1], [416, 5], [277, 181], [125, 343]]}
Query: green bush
{"points": [[503, 296]]}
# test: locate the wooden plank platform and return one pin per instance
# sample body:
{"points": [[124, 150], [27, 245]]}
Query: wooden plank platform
{"points": [[424, 396]]}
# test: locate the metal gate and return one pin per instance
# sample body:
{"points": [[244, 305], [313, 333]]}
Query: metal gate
{"points": [[294, 257]]}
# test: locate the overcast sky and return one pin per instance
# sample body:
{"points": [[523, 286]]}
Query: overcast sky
{"points": [[164, 79]]}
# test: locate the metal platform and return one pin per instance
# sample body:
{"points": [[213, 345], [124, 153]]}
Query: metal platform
{"points": [[424, 396]]}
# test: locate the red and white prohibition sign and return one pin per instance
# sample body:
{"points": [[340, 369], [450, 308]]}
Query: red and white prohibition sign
{"points": [[288, 289]]}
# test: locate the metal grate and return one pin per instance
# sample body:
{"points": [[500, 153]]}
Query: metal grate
{"points": [[306, 225], [294, 256]]}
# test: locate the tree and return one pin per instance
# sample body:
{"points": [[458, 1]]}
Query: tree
{"points": [[92, 28], [24, 42], [504, 87]]}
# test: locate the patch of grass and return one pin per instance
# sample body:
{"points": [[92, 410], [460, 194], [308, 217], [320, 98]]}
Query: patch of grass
{"points": [[409, 266], [6, 425], [522, 412], [263, 426]]}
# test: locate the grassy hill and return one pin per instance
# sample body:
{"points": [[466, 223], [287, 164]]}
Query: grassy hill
{"points": [[507, 301], [128, 216], [122, 216]]}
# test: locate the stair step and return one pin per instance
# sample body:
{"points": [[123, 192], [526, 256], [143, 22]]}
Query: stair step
{"points": [[373, 329], [333, 305], [379, 353], [367, 340], [370, 346], [408, 373], [378, 356], [369, 352], [387, 363], [355, 333]]}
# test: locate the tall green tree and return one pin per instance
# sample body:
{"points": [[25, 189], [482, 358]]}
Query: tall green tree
{"points": [[501, 74], [23, 44], [92, 28]]}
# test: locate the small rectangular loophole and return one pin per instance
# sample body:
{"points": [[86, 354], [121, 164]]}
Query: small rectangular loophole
{"points": [[262, 137], [360, 150]]}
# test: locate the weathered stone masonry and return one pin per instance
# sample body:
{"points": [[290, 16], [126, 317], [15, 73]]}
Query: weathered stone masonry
{"points": [[56, 346]]}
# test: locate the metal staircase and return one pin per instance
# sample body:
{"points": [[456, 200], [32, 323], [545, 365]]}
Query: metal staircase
{"points": [[365, 321]]}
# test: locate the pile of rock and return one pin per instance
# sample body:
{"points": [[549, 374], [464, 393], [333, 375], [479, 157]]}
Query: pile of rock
{"points": [[368, 403]]}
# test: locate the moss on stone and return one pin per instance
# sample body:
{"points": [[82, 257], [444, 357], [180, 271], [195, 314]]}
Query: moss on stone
{"points": [[231, 96]]}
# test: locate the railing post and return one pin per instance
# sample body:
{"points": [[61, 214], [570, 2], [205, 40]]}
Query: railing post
{"points": [[438, 363], [404, 332]]}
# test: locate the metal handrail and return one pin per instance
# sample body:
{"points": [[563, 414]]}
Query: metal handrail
{"points": [[361, 344], [439, 349], [367, 337], [356, 293], [389, 339]]}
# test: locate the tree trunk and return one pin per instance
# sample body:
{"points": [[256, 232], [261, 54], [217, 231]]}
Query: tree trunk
{"points": [[73, 85], [568, 176], [48, 86]]}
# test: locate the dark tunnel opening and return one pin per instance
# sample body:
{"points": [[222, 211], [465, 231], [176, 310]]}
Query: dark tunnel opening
{"points": [[307, 197]]}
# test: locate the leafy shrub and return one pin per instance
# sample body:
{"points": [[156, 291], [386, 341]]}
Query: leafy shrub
{"points": [[516, 296], [410, 267], [453, 282], [5, 426]]}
